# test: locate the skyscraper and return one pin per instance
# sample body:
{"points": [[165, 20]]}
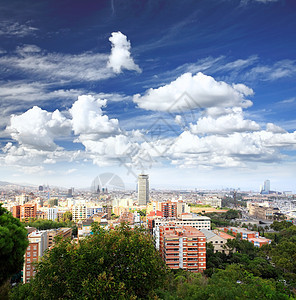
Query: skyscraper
{"points": [[267, 186], [143, 189]]}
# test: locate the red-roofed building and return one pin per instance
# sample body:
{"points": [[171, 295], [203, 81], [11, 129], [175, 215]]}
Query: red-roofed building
{"points": [[153, 215], [259, 242]]}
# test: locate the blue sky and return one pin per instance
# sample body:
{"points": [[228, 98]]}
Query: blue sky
{"points": [[198, 94]]}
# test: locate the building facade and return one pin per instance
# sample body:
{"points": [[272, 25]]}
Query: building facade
{"points": [[38, 243], [27, 212], [183, 247], [143, 189]]}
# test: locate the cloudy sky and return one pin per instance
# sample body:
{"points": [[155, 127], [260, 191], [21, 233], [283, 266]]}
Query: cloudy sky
{"points": [[198, 94]]}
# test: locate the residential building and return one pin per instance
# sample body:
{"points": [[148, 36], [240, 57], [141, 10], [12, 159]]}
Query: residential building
{"points": [[37, 245], [16, 211], [216, 240], [192, 220], [22, 199], [63, 232], [169, 209], [251, 236], [262, 211], [259, 242], [183, 247], [198, 222], [27, 212], [213, 201], [52, 213], [244, 232]]}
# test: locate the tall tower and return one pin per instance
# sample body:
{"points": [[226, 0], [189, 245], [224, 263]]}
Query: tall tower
{"points": [[143, 189], [267, 186]]}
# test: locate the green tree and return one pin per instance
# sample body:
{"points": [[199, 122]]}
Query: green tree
{"points": [[116, 264], [232, 214], [13, 244], [67, 216]]}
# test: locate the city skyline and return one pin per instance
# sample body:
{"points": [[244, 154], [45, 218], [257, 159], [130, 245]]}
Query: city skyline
{"points": [[197, 95]]}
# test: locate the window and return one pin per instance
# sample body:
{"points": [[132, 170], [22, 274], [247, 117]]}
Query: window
{"points": [[34, 254], [28, 254]]}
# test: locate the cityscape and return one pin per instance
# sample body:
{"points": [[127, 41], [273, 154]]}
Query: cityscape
{"points": [[147, 149], [165, 214]]}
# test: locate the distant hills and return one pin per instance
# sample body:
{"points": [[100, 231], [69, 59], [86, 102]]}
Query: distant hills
{"points": [[5, 183]]}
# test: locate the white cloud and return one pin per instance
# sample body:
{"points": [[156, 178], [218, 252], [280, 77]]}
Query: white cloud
{"points": [[57, 67], [120, 57], [37, 128], [16, 29], [88, 120], [190, 92], [280, 69], [226, 124], [34, 92], [274, 128]]}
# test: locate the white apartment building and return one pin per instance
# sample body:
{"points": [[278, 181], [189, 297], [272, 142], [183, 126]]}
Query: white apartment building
{"points": [[193, 220], [52, 213]]}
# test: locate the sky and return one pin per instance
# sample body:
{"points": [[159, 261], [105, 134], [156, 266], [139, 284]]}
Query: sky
{"points": [[197, 94]]}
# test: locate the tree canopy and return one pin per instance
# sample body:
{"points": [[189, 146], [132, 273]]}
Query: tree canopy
{"points": [[116, 264], [13, 244]]}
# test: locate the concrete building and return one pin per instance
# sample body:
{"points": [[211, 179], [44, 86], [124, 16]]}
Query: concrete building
{"points": [[213, 201], [192, 220], [63, 232], [244, 232], [143, 189], [52, 213], [22, 199], [259, 242], [198, 222], [251, 236], [183, 247], [216, 240], [37, 245], [28, 211], [262, 211], [79, 212], [16, 211], [169, 209], [82, 211]]}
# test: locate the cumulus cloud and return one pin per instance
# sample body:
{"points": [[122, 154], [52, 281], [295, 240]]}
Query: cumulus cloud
{"points": [[120, 57], [37, 128], [226, 124], [274, 128], [88, 120], [189, 92]]}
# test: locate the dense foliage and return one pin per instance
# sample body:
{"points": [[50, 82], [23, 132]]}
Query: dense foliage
{"points": [[13, 244], [42, 224], [232, 283], [223, 219], [116, 264]]}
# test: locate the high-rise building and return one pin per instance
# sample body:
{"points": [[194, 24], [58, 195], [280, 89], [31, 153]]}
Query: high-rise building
{"points": [[183, 247], [143, 189], [267, 186]]}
